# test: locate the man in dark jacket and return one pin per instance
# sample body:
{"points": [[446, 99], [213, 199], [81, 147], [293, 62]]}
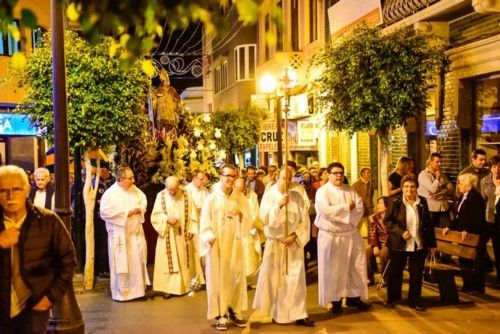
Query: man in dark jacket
{"points": [[37, 258]]}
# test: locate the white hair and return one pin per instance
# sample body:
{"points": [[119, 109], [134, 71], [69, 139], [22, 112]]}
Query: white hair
{"points": [[10, 170], [41, 171], [468, 178]]}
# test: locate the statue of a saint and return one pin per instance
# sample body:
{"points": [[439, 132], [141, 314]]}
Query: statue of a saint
{"points": [[165, 104]]}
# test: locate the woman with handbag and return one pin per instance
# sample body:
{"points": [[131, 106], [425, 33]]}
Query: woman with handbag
{"points": [[411, 235]]}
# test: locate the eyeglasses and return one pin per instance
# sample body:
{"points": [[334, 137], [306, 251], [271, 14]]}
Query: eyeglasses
{"points": [[128, 178], [338, 173], [230, 176]]}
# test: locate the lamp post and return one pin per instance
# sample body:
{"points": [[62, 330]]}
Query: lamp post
{"points": [[66, 315], [269, 86]]}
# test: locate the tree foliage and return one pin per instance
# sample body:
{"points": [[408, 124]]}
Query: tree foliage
{"points": [[240, 128], [375, 81], [105, 100], [138, 23]]}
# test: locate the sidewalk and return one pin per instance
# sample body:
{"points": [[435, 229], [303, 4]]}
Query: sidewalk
{"points": [[188, 315]]}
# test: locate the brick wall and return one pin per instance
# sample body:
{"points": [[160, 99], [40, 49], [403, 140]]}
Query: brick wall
{"points": [[398, 147]]}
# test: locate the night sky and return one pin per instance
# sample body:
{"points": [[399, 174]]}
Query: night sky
{"points": [[180, 53]]}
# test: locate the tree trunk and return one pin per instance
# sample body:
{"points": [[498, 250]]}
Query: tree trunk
{"points": [[383, 163], [89, 195]]}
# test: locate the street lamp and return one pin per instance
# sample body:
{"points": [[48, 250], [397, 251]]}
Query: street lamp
{"points": [[289, 81], [66, 315]]}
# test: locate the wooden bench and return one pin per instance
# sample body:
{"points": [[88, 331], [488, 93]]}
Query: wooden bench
{"points": [[452, 244]]}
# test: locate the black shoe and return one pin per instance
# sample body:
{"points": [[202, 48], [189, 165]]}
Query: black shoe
{"points": [[390, 304], [417, 307], [358, 303], [235, 320], [306, 322], [337, 307]]}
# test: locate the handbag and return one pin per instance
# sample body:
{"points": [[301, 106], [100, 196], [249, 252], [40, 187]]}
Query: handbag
{"points": [[430, 268]]}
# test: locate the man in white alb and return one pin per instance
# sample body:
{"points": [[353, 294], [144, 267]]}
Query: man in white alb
{"points": [[122, 208], [174, 218], [341, 252], [279, 293], [225, 220]]}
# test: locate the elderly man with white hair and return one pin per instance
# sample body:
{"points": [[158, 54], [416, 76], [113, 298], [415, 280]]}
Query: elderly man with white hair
{"points": [[174, 218], [42, 192]]}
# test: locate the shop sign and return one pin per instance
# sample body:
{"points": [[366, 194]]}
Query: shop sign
{"points": [[307, 135], [15, 124], [268, 141]]}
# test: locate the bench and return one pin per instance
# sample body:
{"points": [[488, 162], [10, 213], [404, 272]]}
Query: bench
{"points": [[444, 274]]}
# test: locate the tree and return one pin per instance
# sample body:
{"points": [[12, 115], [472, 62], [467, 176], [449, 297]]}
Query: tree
{"points": [[240, 128], [105, 107], [138, 23], [376, 81]]}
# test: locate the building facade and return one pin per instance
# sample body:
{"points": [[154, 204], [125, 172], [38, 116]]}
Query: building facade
{"points": [[465, 108], [18, 142]]}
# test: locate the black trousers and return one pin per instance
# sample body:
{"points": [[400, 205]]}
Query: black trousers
{"points": [[416, 261], [494, 234], [28, 321]]}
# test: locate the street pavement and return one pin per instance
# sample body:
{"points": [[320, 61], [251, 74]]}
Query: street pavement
{"points": [[188, 314]]}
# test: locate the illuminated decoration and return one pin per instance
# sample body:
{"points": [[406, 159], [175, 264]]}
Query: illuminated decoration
{"points": [[176, 66]]}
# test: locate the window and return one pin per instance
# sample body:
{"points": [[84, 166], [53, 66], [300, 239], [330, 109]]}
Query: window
{"points": [[487, 113], [9, 45], [36, 36], [279, 33], [295, 25], [221, 77], [267, 30], [313, 20], [244, 57]]}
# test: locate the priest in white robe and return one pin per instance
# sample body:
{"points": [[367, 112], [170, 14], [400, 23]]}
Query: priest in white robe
{"points": [[341, 252], [251, 244], [281, 287], [225, 221], [174, 218], [122, 208]]}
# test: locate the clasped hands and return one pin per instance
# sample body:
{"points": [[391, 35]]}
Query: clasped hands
{"points": [[133, 212], [9, 237]]}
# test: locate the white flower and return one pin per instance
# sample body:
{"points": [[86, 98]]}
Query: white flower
{"points": [[197, 132], [222, 155], [212, 146], [200, 147], [218, 133], [206, 118]]}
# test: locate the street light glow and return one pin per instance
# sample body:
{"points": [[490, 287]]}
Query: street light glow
{"points": [[267, 84]]}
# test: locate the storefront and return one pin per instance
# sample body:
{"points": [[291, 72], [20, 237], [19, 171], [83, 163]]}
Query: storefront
{"points": [[18, 141]]}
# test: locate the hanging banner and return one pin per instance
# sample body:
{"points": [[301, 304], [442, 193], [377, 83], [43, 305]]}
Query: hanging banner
{"points": [[307, 133]]}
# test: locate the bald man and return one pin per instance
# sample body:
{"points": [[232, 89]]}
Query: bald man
{"points": [[174, 218]]}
